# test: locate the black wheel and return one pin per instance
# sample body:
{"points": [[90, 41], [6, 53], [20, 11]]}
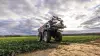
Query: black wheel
{"points": [[40, 37], [46, 36], [58, 37]]}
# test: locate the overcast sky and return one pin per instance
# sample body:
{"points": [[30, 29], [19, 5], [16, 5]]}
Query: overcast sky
{"points": [[26, 16]]}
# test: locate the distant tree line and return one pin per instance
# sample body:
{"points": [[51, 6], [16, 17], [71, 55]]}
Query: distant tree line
{"points": [[16, 35], [62, 34], [81, 34]]}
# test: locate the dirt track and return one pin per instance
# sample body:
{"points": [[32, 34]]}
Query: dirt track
{"points": [[76, 50], [90, 49]]}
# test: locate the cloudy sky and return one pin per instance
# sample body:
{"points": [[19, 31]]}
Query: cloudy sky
{"points": [[26, 16]]}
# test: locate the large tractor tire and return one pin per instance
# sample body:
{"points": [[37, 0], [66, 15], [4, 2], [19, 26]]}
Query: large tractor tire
{"points": [[40, 37], [46, 37], [58, 37]]}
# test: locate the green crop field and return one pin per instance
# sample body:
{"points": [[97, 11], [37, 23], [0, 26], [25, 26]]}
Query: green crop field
{"points": [[80, 39], [10, 46]]}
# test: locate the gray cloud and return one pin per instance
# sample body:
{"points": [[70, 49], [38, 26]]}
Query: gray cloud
{"points": [[94, 20], [15, 27], [25, 16]]}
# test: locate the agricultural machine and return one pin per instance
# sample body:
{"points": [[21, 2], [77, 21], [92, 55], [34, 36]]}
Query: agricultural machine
{"points": [[52, 28]]}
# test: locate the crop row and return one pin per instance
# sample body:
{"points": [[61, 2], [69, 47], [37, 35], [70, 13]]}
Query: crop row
{"points": [[12, 46]]}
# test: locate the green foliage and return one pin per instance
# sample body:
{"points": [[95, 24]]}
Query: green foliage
{"points": [[10, 46], [13, 45]]}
